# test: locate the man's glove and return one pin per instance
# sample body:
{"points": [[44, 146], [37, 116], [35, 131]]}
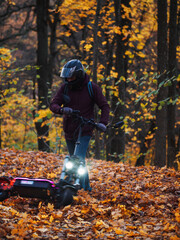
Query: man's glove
{"points": [[101, 127], [66, 110]]}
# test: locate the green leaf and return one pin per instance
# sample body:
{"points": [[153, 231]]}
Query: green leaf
{"points": [[168, 83], [49, 115], [161, 84], [162, 103]]}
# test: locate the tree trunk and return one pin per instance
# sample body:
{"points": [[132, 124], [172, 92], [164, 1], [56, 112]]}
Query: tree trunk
{"points": [[144, 145], [171, 153], [118, 105], [161, 113], [42, 72], [53, 42], [118, 143], [0, 133], [0, 118], [108, 63], [95, 59]]}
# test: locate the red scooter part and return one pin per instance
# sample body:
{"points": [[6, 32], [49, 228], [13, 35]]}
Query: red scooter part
{"points": [[6, 186]]}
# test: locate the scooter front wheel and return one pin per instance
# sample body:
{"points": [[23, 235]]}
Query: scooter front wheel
{"points": [[3, 195], [66, 197]]}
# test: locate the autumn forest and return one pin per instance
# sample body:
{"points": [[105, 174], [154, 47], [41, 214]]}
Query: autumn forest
{"points": [[131, 49]]}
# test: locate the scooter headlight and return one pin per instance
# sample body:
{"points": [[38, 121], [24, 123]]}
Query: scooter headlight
{"points": [[81, 170], [69, 165]]}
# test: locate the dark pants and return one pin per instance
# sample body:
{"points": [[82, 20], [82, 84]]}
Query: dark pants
{"points": [[80, 152]]}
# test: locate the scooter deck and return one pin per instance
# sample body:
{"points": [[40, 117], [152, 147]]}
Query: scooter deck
{"points": [[34, 188]]}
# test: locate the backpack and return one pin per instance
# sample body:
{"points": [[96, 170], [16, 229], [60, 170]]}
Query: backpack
{"points": [[90, 90]]}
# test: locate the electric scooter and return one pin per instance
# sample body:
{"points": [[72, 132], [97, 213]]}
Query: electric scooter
{"points": [[61, 193]]}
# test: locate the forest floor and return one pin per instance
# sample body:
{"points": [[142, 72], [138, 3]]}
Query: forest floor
{"points": [[126, 202]]}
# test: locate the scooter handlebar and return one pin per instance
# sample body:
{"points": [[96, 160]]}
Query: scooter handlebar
{"points": [[76, 114], [118, 124]]}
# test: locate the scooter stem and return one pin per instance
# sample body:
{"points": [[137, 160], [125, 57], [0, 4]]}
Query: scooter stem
{"points": [[78, 139]]}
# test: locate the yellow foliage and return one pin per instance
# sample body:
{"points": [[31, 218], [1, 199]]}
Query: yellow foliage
{"points": [[178, 53], [43, 113], [88, 47], [178, 78], [141, 54], [113, 74], [5, 58], [16, 122]]}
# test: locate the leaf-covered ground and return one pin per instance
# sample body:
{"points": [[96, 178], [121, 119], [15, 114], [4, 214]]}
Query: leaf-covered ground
{"points": [[126, 202]]}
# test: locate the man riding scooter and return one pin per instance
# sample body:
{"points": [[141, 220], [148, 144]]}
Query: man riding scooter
{"points": [[78, 93]]}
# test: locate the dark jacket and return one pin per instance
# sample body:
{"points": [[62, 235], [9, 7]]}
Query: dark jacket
{"points": [[80, 100]]}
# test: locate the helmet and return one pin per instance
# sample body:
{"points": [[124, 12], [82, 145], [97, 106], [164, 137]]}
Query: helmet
{"points": [[73, 68]]}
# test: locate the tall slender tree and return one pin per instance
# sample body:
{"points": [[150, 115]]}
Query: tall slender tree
{"points": [[171, 108], [95, 61], [42, 72], [117, 144], [161, 113], [53, 20]]}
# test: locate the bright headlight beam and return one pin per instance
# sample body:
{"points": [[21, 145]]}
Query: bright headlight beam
{"points": [[69, 165], [81, 170]]}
